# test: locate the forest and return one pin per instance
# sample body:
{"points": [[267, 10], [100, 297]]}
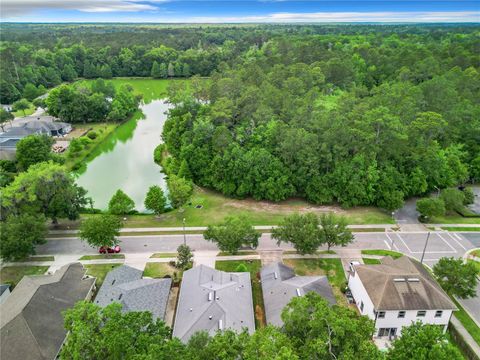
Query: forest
{"points": [[359, 115]]}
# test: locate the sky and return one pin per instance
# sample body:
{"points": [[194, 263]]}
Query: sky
{"points": [[239, 11]]}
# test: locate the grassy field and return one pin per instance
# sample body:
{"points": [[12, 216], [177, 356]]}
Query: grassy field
{"points": [[100, 271], [393, 254], [460, 228], [28, 111], [102, 256], [37, 258], [332, 268], [163, 255], [13, 274], [453, 219], [467, 322], [253, 267]]}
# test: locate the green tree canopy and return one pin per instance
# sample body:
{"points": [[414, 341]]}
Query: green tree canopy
{"points": [[120, 204], [429, 207], [20, 234], [101, 230], [21, 105], [5, 116], [423, 342], [453, 199], [300, 230], [184, 257], [456, 277], [334, 230], [179, 189], [33, 149], [232, 234], [155, 200]]}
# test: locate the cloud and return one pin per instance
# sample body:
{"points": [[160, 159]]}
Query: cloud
{"points": [[328, 17], [17, 8]]}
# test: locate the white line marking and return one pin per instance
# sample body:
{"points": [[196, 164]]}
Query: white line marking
{"points": [[446, 242], [458, 242], [404, 243], [388, 246], [457, 236]]}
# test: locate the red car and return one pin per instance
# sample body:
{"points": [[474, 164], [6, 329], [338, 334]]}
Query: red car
{"points": [[111, 250]]}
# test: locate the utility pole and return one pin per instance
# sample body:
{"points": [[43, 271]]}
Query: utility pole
{"points": [[184, 234], [425, 248]]}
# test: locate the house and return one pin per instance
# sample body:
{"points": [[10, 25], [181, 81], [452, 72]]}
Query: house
{"points": [[9, 140], [280, 285], [31, 325], [213, 300], [7, 107], [48, 126], [4, 292], [397, 293], [126, 286]]}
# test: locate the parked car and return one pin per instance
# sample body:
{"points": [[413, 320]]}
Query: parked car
{"points": [[110, 250]]}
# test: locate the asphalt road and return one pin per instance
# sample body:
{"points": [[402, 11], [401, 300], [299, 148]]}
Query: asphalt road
{"points": [[411, 243]]}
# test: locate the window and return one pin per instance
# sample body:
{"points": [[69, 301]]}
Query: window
{"points": [[438, 313], [401, 314], [361, 305], [381, 315], [421, 313]]}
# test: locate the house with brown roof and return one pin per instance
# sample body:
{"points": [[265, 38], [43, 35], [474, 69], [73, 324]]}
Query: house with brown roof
{"points": [[31, 321], [397, 293]]}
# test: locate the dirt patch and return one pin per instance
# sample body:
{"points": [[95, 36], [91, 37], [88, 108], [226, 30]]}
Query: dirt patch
{"points": [[259, 315], [171, 306]]}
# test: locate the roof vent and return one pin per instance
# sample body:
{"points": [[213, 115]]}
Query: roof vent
{"points": [[399, 279], [210, 317], [191, 309], [120, 296], [298, 292], [210, 296], [220, 324], [113, 282], [413, 280], [275, 275]]}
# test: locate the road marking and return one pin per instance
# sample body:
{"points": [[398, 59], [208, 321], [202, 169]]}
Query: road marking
{"points": [[458, 242], [404, 243], [446, 242], [457, 236], [388, 246]]}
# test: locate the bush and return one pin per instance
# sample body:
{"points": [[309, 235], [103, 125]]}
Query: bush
{"points": [[453, 199], [157, 153], [469, 196], [84, 141], [241, 268], [429, 207], [92, 135]]}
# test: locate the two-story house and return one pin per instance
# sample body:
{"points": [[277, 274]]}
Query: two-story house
{"points": [[397, 293]]}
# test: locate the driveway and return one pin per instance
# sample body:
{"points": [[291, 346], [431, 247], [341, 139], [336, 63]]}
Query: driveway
{"points": [[475, 207], [472, 306]]}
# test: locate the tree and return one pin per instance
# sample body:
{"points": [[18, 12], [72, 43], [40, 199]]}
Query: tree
{"points": [[300, 230], [69, 73], [45, 188], [184, 257], [4, 117], [20, 234], [155, 72], [184, 171], [453, 199], [269, 343], [109, 333], [101, 230], [334, 231], [429, 207], [179, 190], [456, 277], [33, 149], [232, 234], [170, 70], [21, 105], [318, 330], [423, 342], [30, 92], [155, 200], [120, 204]]}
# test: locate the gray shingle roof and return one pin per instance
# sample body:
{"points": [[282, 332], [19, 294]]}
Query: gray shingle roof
{"points": [[212, 300], [417, 291], [32, 321], [280, 284], [125, 285], [18, 133]]}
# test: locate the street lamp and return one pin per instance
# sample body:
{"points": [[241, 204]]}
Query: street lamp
{"points": [[184, 234], [425, 247]]}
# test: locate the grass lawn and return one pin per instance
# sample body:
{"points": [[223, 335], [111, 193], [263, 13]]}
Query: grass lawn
{"points": [[253, 267], [100, 271], [163, 255], [475, 252], [240, 253], [13, 274], [393, 254], [460, 228], [320, 252], [453, 219], [368, 261], [37, 258], [467, 322], [333, 268], [476, 263], [160, 270], [103, 130], [28, 111], [102, 256]]}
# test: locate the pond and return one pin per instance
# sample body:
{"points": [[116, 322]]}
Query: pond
{"points": [[125, 159]]}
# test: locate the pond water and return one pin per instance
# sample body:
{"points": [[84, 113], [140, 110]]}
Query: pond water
{"points": [[125, 159]]}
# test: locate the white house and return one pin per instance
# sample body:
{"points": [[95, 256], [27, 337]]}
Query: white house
{"points": [[397, 293]]}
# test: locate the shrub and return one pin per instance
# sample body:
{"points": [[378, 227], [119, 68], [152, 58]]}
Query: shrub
{"points": [[469, 196], [431, 207], [453, 199], [92, 135]]}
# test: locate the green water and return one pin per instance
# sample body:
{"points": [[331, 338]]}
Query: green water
{"points": [[125, 159]]}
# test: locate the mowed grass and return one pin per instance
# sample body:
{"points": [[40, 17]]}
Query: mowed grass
{"points": [[476, 263], [102, 256], [332, 268], [161, 270], [13, 274], [393, 254], [467, 321], [28, 111], [253, 267], [460, 228], [454, 219], [368, 261], [475, 252], [99, 271]]}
